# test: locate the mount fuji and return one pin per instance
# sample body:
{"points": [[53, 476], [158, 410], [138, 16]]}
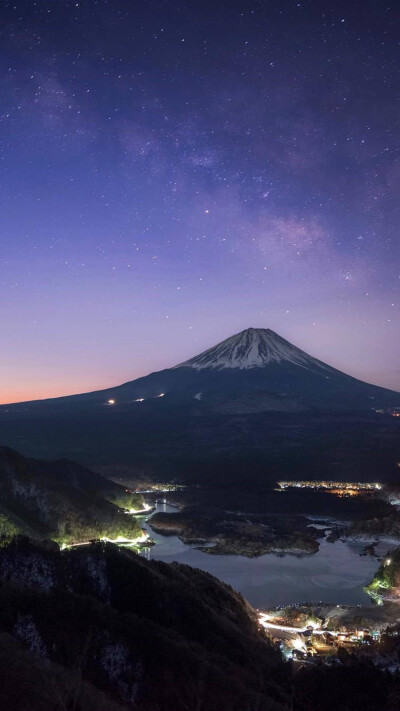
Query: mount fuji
{"points": [[252, 348], [255, 370], [254, 395]]}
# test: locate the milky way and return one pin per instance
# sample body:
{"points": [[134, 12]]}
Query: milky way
{"points": [[173, 173]]}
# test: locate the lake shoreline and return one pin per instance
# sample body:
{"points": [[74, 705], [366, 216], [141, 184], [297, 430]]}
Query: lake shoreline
{"points": [[336, 573]]}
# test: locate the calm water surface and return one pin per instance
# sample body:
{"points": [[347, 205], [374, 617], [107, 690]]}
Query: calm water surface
{"points": [[337, 573]]}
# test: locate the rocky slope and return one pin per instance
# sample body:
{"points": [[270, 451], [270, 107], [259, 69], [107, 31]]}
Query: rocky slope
{"points": [[61, 500], [386, 581], [376, 529], [147, 635], [98, 628]]}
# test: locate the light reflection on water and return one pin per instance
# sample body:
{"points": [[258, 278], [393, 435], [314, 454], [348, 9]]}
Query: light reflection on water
{"points": [[336, 574]]}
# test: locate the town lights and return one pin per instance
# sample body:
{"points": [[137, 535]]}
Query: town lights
{"points": [[340, 488], [313, 624], [299, 644], [111, 402]]}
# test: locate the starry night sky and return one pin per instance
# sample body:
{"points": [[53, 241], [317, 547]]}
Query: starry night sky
{"points": [[172, 173]]}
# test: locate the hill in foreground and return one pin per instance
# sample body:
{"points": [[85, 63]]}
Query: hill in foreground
{"points": [[62, 500], [98, 628], [98, 624]]}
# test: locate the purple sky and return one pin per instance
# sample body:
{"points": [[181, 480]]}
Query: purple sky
{"points": [[174, 173]]}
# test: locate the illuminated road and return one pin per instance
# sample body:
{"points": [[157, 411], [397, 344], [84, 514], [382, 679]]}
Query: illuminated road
{"points": [[73, 545], [139, 512], [263, 620], [119, 541]]}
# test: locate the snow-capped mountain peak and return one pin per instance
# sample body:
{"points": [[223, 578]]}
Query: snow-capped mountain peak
{"points": [[252, 348]]}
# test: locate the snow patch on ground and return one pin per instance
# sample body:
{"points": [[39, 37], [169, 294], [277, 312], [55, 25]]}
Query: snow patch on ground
{"points": [[25, 628]]}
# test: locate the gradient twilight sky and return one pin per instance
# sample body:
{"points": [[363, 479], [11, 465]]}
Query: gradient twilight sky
{"points": [[175, 172]]}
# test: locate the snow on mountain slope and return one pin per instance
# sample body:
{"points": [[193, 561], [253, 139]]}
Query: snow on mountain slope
{"points": [[253, 348]]}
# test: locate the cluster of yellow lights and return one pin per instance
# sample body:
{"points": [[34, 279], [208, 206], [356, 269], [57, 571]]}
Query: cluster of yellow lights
{"points": [[348, 488], [345, 492]]}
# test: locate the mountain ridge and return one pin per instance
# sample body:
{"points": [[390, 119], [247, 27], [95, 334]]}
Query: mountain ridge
{"points": [[62, 500], [292, 411], [252, 348]]}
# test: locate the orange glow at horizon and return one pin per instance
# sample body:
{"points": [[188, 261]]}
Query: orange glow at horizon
{"points": [[12, 395], [36, 390]]}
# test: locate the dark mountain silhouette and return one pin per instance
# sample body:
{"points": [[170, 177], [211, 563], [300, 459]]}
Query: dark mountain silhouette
{"points": [[254, 401], [62, 500], [94, 624]]}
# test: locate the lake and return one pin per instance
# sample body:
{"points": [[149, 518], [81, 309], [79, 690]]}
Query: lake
{"points": [[335, 574]]}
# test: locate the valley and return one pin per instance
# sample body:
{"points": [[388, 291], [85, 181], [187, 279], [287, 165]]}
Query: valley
{"points": [[352, 608], [214, 508], [334, 573]]}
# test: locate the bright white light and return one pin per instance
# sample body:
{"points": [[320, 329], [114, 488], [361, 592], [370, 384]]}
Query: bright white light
{"points": [[299, 644], [313, 624], [140, 399], [145, 508], [129, 541], [160, 395], [110, 402], [263, 620], [388, 561], [74, 545]]}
